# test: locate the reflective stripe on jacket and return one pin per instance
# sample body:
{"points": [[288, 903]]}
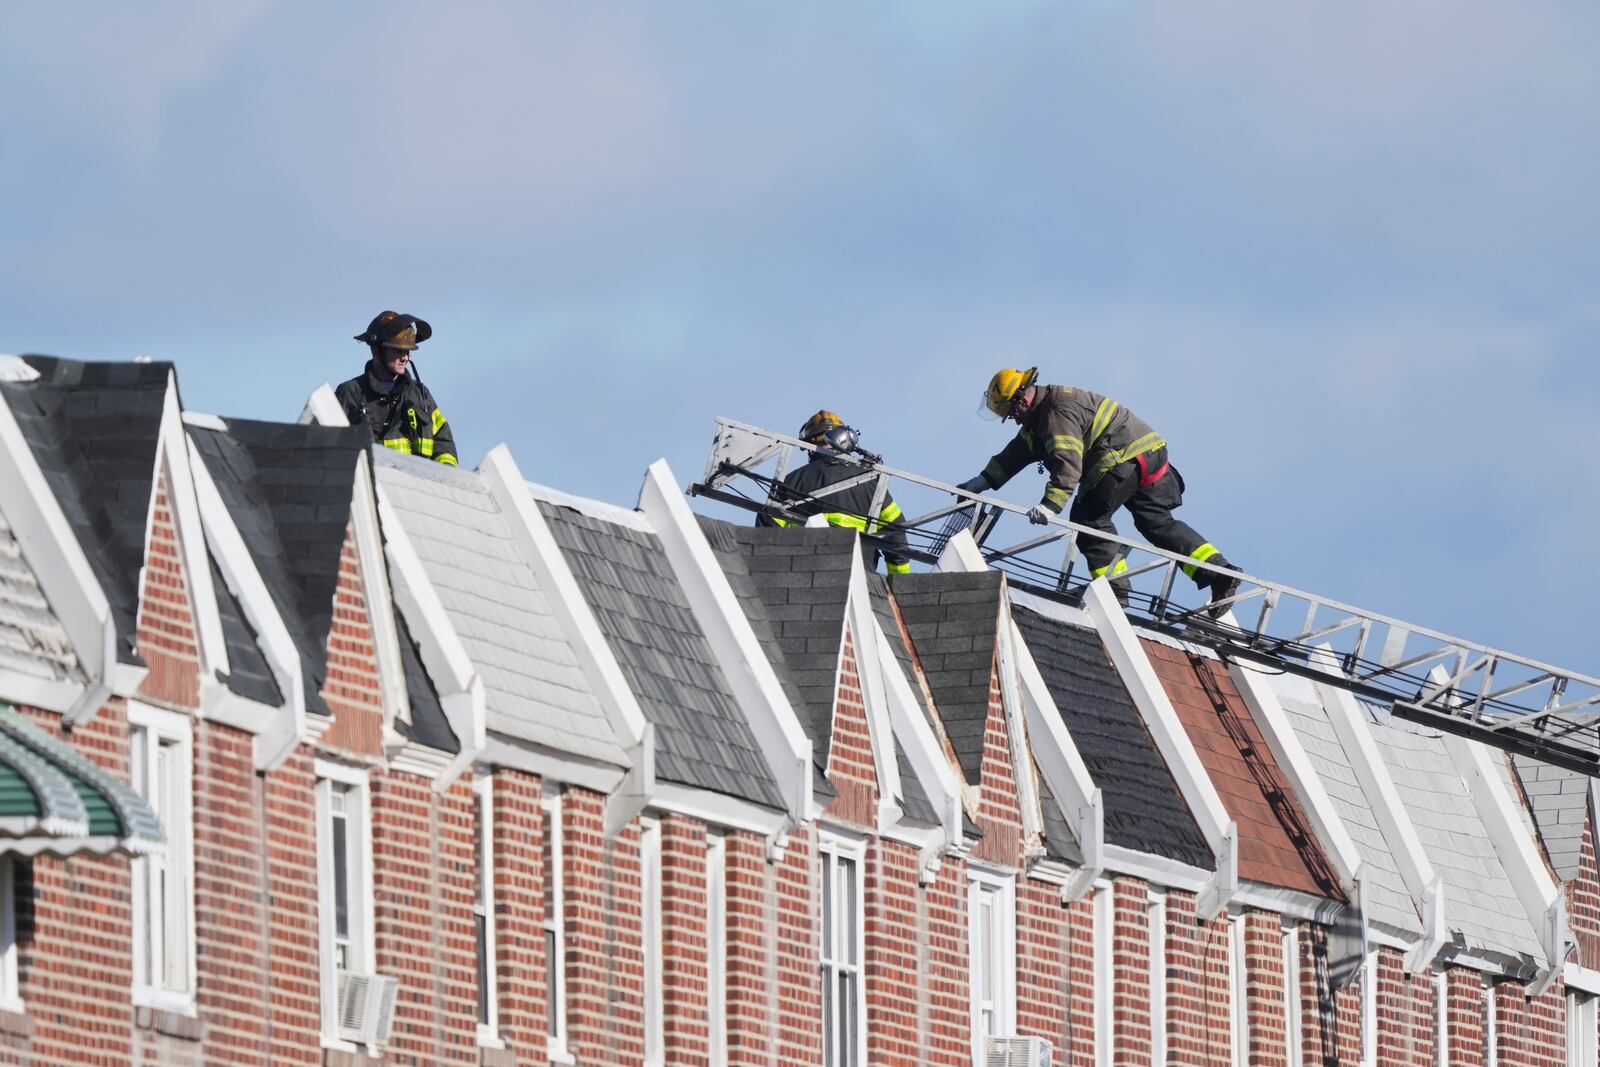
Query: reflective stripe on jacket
{"points": [[404, 419], [1078, 436], [851, 505]]}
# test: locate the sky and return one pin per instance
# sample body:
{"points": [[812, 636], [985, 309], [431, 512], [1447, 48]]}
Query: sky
{"points": [[1344, 256]]}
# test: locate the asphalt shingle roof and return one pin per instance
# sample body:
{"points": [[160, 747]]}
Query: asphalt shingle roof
{"points": [[952, 619], [1059, 841], [702, 738], [1559, 802], [289, 489], [914, 799], [732, 556], [1480, 903], [428, 725], [1385, 898], [93, 428], [1144, 811], [248, 674], [32, 640], [1277, 845], [534, 687]]}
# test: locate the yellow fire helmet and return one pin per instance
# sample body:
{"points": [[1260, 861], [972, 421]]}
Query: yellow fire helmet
{"points": [[817, 425], [1003, 389]]}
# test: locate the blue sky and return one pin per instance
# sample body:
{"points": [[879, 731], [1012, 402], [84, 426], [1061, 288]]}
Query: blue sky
{"points": [[1346, 257]]}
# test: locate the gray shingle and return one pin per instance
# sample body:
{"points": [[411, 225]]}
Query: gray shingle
{"points": [[1144, 810], [1559, 803], [248, 673], [702, 738], [952, 620], [32, 640]]}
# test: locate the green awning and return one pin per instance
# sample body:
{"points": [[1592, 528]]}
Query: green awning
{"points": [[55, 799]]}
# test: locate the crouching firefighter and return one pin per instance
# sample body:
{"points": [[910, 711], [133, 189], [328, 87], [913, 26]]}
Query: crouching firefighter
{"points": [[390, 398], [848, 507], [1090, 443]]}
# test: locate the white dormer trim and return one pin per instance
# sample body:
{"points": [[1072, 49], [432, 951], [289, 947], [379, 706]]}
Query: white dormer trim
{"points": [[1423, 883], [323, 408], [1540, 894], [788, 751], [1291, 757], [1133, 666], [172, 460], [375, 585], [65, 576], [939, 779], [571, 610], [861, 624], [1051, 744], [461, 692], [279, 733], [1023, 772]]}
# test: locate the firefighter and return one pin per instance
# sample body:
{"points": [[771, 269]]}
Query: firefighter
{"points": [[390, 398], [1091, 443], [849, 507]]}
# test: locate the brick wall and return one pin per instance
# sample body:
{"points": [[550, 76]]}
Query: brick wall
{"points": [[999, 813], [685, 946], [1583, 901], [352, 688], [518, 836], [1052, 969], [166, 637], [852, 767]]}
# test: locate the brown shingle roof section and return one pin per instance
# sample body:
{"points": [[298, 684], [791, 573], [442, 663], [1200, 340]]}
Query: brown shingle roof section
{"points": [[1276, 843]]}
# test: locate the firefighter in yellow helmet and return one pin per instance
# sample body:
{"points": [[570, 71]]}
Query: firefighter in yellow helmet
{"points": [[1113, 458], [848, 507]]}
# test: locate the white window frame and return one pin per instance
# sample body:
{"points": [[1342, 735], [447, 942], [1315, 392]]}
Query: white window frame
{"points": [[1104, 919], [483, 908], [834, 852], [1581, 1029], [1238, 994], [1441, 1014], [717, 944], [1000, 892], [10, 988], [555, 930], [1293, 1031], [1156, 920], [1491, 1025], [1369, 1009], [361, 956], [159, 940], [650, 935]]}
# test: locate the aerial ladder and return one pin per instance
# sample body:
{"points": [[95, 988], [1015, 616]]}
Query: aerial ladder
{"points": [[1422, 675]]}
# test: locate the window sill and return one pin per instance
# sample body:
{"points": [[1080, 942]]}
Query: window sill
{"points": [[559, 1054], [14, 1019], [169, 1020], [489, 1038]]}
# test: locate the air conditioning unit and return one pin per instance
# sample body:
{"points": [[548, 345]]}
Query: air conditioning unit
{"points": [[1008, 1051], [366, 1006]]}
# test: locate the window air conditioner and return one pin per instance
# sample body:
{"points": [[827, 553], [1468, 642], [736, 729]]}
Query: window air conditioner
{"points": [[1016, 1052], [366, 1006]]}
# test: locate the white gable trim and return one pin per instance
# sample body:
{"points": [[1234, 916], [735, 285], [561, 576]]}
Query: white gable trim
{"points": [[862, 626], [503, 750], [323, 408], [444, 657], [278, 735], [571, 610], [1424, 885], [1539, 893], [1051, 744], [68, 582], [788, 751], [172, 459], [1284, 744], [1172, 741], [375, 585], [1024, 772], [928, 762]]}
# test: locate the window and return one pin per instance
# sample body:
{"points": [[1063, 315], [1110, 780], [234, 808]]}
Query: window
{"points": [[344, 862], [1581, 1026], [10, 991], [650, 928], [483, 911], [991, 925], [717, 943], [161, 763], [1239, 1013], [555, 936], [1292, 1036], [843, 999], [1441, 1012], [1156, 917], [1102, 977], [1369, 1010]]}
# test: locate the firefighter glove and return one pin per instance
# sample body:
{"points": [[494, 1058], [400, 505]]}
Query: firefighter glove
{"points": [[1039, 514], [977, 484]]}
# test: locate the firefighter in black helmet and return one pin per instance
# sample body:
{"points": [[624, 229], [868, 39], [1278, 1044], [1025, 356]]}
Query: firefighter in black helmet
{"points": [[849, 507], [390, 398]]}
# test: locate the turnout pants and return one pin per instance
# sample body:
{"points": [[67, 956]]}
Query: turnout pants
{"points": [[1150, 492]]}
